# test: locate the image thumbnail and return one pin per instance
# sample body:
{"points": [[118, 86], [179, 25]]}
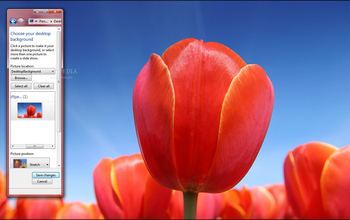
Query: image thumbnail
{"points": [[29, 110], [19, 163]]}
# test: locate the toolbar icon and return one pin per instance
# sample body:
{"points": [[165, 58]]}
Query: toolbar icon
{"points": [[13, 21]]}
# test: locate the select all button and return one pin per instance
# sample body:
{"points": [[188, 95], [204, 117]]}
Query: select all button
{"points": [[42, 181], [21, 86], [45, 174]]}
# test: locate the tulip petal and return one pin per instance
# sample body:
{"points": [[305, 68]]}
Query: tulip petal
{"points": [[128, 177], [156, 199], [38, 208], [264, 203], [238, 204], [335, 181], [201, 74], [209, 205], [3, 197], [153, 107], [105, 196], [175, 209], [77, 210], [302, 172], [245, 118], [233, 211], [278, 191]]}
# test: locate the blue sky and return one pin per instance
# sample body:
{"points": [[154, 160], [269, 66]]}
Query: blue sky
{"points": [[303, 47]]}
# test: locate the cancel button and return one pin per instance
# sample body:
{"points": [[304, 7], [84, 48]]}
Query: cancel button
{"points": [[42, 181]]}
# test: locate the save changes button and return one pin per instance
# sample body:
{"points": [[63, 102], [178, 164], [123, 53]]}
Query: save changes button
{"points": [[45, 174]]}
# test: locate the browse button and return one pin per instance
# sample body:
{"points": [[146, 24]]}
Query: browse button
{"points": [[45, 174]]}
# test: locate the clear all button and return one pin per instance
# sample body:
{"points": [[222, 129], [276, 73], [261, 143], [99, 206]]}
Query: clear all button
{"points": [[43, 85]]}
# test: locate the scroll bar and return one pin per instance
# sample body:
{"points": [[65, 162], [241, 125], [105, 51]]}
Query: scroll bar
{"points": [[59, 78], [59, 95]]}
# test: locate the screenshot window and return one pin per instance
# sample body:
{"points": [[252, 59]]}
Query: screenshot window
{"points": [[35, 102]]}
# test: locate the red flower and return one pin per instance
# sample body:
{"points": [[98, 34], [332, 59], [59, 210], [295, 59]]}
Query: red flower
{"points": [[38, 115], [125, 189], [31, 110], [3, 197], [316, 181], [282, 209], [37, 208], [78, 210], [26, 115], [201, 115], [335, 181], [238, 204], [261, 202], [270, 202]]}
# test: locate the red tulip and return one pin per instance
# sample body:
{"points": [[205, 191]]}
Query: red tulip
{"points": [[282, 208], [26, 115], [38, 115], [201, 115], [78, 210], [238, 204], [335, 184], [209, 206], [263, 205], [37, 208], [6, 212], [125, 189], [303, 168], [33, 116], [261, 202], [31, 110], [3, 197]]}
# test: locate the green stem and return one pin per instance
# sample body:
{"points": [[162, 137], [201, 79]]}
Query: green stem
{"points": [[190, 205]]}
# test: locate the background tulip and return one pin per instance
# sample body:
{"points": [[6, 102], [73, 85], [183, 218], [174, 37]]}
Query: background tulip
{"points": [[26, 115], [282, 209], [238, 204], [37, 208], [38, 115], [263, 203], [78, 210], [125, 189], [302, 173], [335, 184], [260, 202], [3, 197], [31, 110], [7, 212]]}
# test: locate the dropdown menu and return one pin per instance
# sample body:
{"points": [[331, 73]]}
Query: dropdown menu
{"points": [[32, 71]]}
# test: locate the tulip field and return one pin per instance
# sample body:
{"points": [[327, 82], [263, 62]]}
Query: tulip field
{"points": [[315, 187]]}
